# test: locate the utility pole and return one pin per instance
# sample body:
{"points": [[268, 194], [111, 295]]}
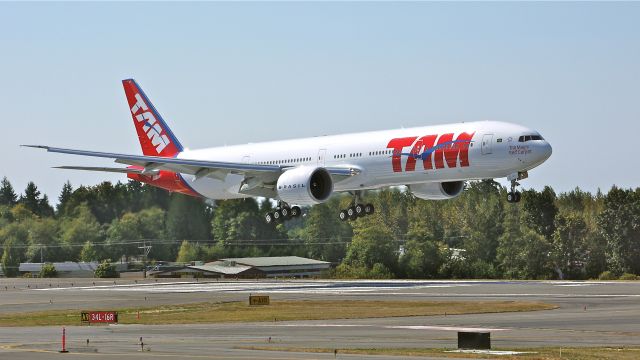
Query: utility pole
{"points": [[41, 255], [145, 252]]}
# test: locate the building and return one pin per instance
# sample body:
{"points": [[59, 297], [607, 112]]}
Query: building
{"points": [[216, 269], [284, 266], [67, 269], [249, 268]]}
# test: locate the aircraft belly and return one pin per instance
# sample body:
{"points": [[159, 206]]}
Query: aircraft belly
{"points": [[213, 188]]}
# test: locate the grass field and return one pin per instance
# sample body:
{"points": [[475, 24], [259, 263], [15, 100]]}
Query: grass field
{"points": [[546, 353], [211, 312]]}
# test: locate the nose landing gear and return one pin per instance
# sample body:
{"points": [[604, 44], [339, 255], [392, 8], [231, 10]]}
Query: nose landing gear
{"points": [[513, 196]]}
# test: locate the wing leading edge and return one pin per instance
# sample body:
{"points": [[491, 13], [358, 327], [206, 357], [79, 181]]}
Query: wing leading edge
{"points": [[198, 168]]}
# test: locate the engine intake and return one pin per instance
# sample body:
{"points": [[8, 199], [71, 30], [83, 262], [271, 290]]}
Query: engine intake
{"points": [[305, 185], [437, 191]]}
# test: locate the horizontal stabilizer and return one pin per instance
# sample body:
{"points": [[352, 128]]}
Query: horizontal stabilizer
{"points": [[106, 169]]}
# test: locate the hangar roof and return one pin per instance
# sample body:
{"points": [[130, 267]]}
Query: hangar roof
{"points": [[275, 261], [221, 267], [60, 266]]}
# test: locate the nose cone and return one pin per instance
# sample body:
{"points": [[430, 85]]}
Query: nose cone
{"points": [[546, 150]]}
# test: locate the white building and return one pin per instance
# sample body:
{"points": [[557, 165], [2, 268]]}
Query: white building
{"points": [[68, 269]]}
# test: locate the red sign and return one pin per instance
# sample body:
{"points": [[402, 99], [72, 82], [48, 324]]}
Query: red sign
{"points": [[106, 317]]}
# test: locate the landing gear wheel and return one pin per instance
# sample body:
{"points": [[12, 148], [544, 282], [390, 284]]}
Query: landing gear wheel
{"points": [[368, 209], [269, 218], [343, 215], [359, 208], [513, 196], [277, 215], [352, 213], [295, 211], [286, 212]]}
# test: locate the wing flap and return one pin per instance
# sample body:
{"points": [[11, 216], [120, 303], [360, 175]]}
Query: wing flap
{"points": [[105, 169], [188, 166]]}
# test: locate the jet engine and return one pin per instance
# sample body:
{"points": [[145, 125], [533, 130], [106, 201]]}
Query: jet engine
{"points": [[305, 185], [436, 190]]}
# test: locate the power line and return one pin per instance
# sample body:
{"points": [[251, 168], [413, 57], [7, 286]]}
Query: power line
{"points": [[225, 243]]}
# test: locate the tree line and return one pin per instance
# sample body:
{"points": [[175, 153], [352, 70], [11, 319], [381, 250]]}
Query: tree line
{"points": [[571, 235]]}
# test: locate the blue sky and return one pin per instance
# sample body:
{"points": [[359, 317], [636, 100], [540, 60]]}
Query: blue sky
{"points": [[226, 73]]}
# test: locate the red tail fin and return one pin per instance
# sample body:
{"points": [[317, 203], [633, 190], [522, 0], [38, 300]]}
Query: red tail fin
{"points": [[156, 139]]}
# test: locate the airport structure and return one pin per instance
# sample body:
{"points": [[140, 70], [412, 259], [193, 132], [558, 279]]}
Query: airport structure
{"points": [[250, 267], [68, 269]]}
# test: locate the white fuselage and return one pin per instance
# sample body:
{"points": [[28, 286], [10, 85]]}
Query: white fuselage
{"points": [[495, 150]]}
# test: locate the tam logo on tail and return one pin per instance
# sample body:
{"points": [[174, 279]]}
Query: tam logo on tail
{"points": [[150, 125], [156, 139]]}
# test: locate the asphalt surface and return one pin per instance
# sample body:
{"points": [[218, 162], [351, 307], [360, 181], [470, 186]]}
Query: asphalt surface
{"points": [[589, 314]]}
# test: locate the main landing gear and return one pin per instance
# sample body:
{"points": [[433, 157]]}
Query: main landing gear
{"points": [[357, 209], [513, 196], [282, 213]]}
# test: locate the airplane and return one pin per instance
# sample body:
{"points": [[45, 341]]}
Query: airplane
{"points": [[432, 161]]}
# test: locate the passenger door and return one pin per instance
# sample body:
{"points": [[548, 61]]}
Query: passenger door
{"points": [[322, 154], [487, 139]]}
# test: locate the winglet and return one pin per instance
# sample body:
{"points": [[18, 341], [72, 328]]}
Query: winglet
{"points": [[36, 146]]}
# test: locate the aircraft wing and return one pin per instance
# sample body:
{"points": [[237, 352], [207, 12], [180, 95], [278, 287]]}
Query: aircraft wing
{"points": [[103, 169], [266, 174]]}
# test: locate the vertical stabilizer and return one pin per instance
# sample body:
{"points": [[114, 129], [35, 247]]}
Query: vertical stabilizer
{"points": [[156, 139]]}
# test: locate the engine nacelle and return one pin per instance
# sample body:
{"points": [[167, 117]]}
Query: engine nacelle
{"points": [[436, 190], [305, 185]]}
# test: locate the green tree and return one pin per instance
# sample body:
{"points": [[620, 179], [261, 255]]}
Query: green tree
{"points": [[540, 211], [132, 230], [482, 207], [20, 213], [48, 271], [44, 208], [619, 226], [77, 228], [242, 219], [106, 270], [188, 218], [6, 216], [569, 247], [522, 252], [324, 235], [7, 194], [31, 198], [372, 244], [596, 248], [44, 241], [15, 237], [88, 252], [188, 252], [421, 259], [64, 198]]}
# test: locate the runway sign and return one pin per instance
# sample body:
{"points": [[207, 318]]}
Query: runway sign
{"points": [[258, 300], [105, 317], [474, 340]]}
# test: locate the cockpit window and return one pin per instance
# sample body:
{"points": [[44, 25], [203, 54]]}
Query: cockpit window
{"points": [[525, 138]]}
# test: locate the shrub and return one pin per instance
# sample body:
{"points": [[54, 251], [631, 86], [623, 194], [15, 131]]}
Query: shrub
{"points": [[48, 271], [627, 276], [607, 275], [106, 270]]}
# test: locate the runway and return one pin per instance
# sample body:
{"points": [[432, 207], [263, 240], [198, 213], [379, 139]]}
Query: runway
{"points": [[589, 314]]}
